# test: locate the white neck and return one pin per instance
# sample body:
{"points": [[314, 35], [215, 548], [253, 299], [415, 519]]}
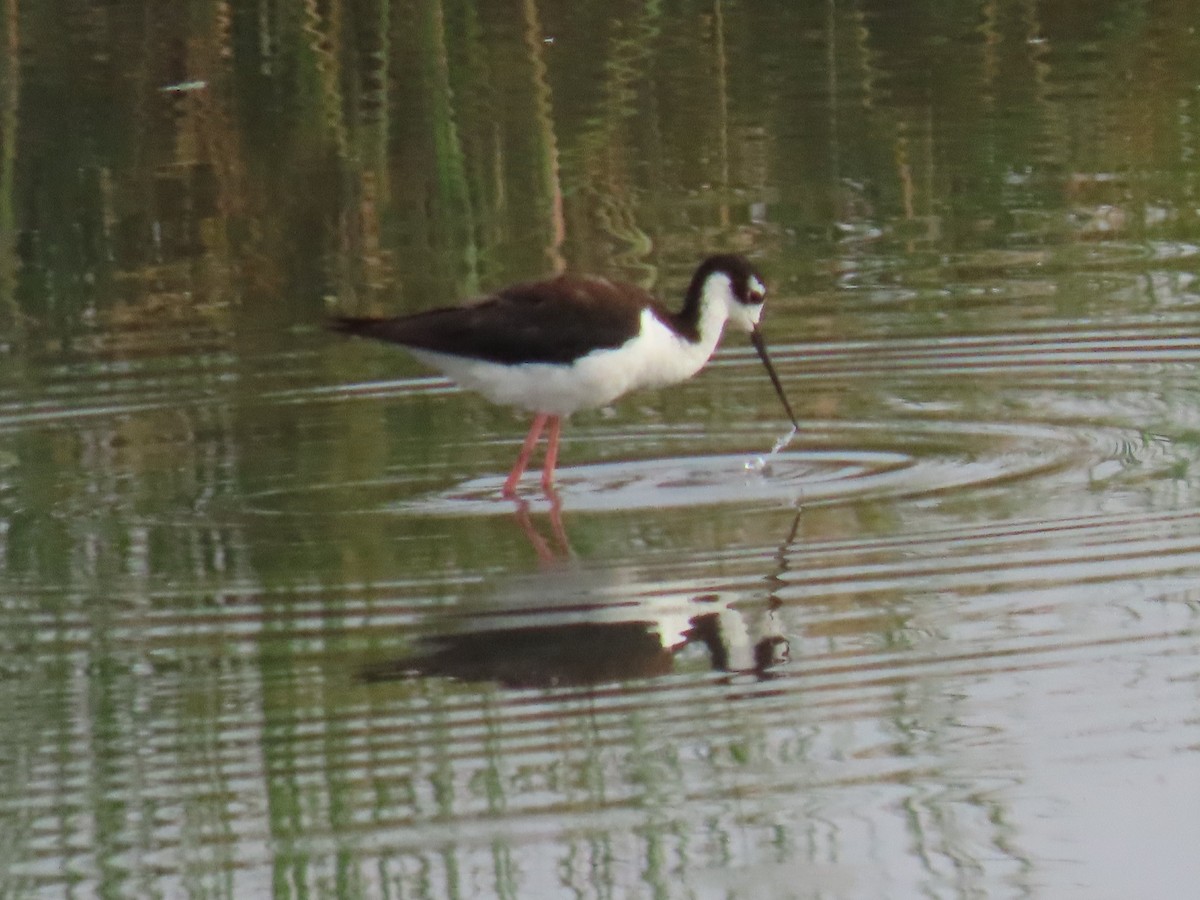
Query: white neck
{"points": [[666, 357], [716, 303]]}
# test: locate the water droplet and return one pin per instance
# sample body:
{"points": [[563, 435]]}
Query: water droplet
{"points": [[783, 441], [760, 465]]}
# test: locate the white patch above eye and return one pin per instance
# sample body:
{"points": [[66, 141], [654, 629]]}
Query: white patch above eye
{"points": [[757, 287]]}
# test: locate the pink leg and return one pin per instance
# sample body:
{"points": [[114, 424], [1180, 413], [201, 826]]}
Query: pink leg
{"points": [[531, 439], [556, 525], [551, 454], [540, 547]]}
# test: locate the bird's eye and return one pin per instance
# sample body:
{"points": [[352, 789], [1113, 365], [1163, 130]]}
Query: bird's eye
{"points": [[756, 290]]}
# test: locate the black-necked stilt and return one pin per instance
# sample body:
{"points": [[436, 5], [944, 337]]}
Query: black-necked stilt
{"points": [[571, 342]]}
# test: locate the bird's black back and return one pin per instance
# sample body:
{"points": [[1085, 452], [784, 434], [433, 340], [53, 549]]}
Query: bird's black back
{"points": [[552, 321]]}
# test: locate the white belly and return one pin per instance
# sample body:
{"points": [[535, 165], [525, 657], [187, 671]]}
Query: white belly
{"points": [[655, 358]]}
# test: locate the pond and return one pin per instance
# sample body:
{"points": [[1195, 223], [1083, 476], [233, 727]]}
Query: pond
{"points": [[268, 627]]}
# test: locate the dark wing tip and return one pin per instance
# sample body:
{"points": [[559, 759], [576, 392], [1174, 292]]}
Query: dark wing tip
{"points": [[407, 331], [362, 326], [343, 324]]}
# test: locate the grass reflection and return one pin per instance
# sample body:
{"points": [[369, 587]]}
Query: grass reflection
{"points": [[979, 214], [10, 73]]}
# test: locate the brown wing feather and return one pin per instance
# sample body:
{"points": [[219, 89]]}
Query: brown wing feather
{"points": [[554, 321]]}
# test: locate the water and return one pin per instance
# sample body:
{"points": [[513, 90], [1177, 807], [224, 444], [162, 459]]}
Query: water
{"points": [[760, 465], [267, 627]]}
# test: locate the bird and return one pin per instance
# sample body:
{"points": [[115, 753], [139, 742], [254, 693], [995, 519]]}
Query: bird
{"points": [[571, 342]]}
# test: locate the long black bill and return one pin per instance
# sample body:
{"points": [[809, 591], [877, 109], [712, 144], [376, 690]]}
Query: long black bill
{"points": [[756, 339]]}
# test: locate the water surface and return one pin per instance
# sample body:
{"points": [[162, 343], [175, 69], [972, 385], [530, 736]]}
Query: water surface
{"points": [[267, 627]]}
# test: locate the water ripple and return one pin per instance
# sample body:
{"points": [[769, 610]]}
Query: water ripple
{"points": [[105, 390]]}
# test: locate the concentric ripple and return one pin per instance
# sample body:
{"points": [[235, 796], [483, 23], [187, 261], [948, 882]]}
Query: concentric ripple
{"points": [[921, 458], [843, 462]]}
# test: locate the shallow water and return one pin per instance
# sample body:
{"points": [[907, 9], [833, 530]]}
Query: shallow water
{"points": [[267, 627]]}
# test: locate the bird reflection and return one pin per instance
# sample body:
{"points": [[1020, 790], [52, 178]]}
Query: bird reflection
{"points": [[598, 647], [558, 548], [570, 624]]}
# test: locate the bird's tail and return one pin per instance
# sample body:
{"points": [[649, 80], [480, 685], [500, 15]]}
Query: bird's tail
{"points": [[363, 326]]}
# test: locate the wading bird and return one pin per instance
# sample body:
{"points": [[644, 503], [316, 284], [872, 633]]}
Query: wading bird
{"points": [[574, 342]]}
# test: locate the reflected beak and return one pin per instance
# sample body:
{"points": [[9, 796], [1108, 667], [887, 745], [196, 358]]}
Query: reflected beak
{"points": [[756, 339]]}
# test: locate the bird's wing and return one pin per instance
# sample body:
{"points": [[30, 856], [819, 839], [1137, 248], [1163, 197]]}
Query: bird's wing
{"points": [[553, 321]]}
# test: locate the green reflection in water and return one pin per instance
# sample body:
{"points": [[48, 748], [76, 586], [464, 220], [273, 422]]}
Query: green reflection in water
{"points": [[9, 95], [202, 527]]}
